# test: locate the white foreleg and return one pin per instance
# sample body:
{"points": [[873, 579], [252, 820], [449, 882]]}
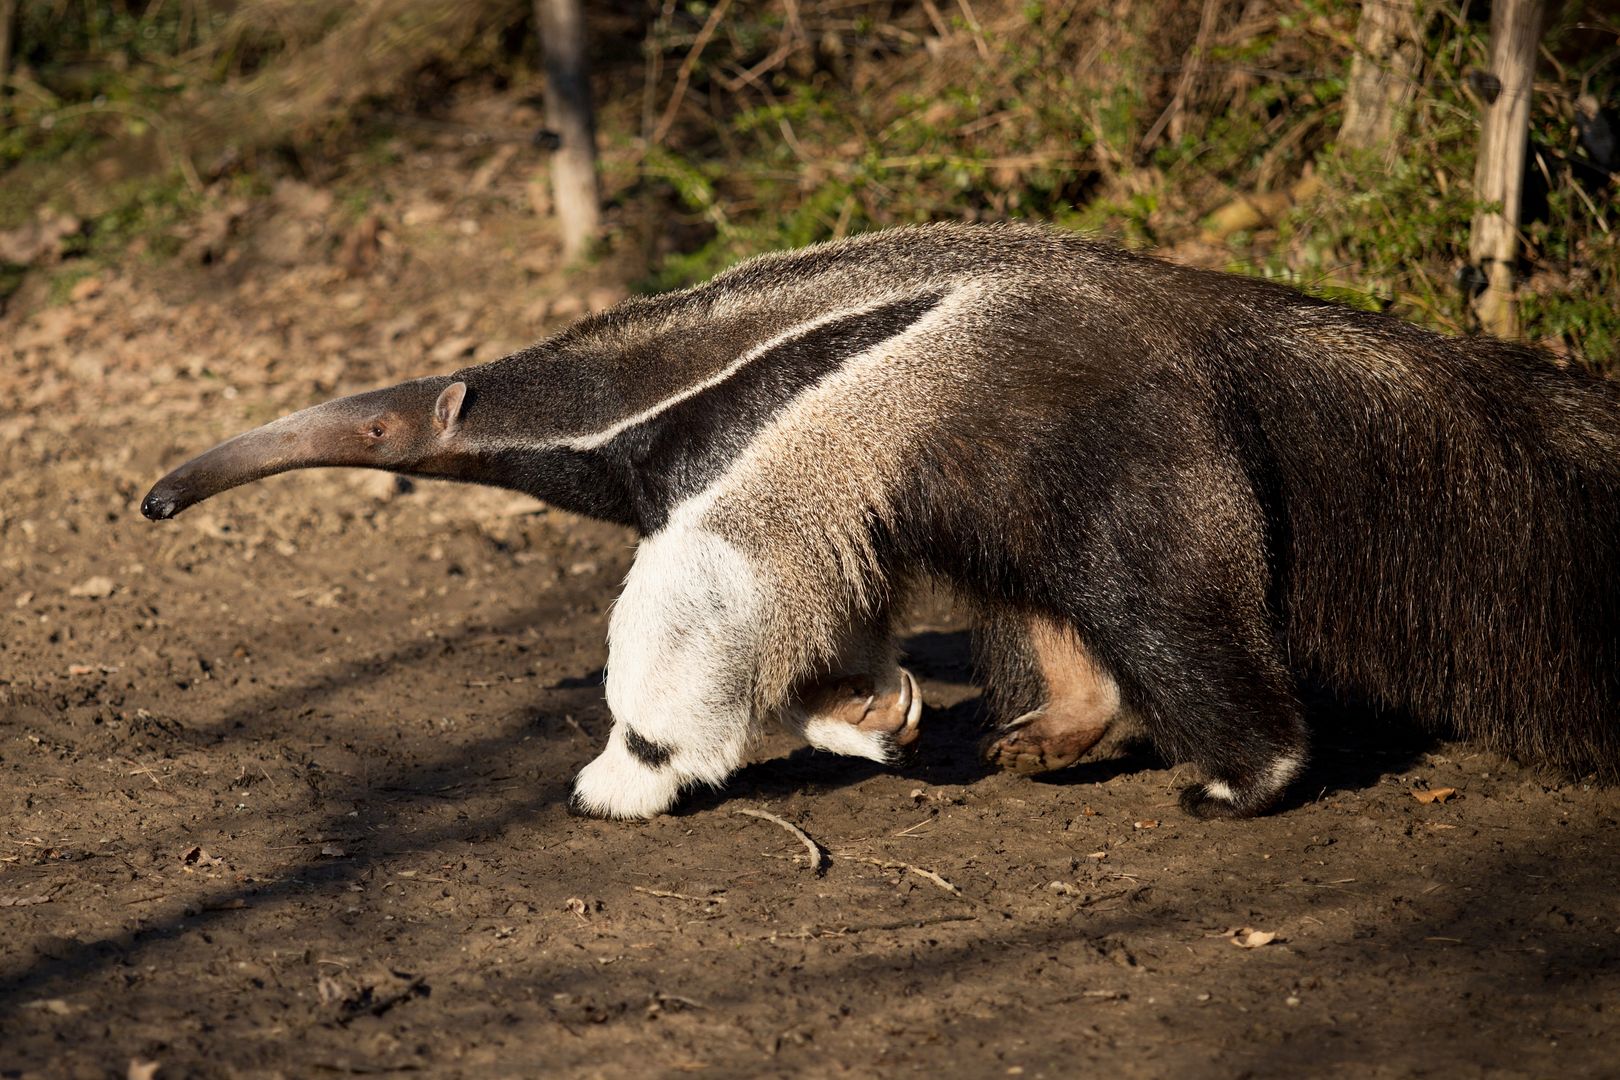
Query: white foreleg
{"points": [[683, 645]]}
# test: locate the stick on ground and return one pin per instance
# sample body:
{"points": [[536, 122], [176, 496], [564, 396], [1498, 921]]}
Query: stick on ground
{"points": [[663, 895], [895, 864], [818, 857]]}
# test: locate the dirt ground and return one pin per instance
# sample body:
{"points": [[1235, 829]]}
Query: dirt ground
{"points": [[283, 781]]}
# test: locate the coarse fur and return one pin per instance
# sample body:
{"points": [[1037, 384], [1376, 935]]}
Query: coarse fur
{"points": [[1208, 487]]}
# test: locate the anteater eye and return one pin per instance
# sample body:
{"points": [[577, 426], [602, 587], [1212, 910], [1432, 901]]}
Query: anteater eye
{"points": [[376, 431]]}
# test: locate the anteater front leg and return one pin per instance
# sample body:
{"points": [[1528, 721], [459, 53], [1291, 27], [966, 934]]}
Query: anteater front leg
{"points": [[683, 647], [867, 706]]}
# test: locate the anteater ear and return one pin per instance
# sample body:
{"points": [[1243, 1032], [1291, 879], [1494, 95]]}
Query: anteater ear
{"points": [[447, 410]]}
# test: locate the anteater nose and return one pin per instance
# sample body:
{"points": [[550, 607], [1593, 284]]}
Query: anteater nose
{"points": [[157, 507]]}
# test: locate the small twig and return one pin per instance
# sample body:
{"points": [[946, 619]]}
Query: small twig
{"points": [[818, 857], [1172, 114], [684, 75], [894, 864], [143, 770], [975, 29], [843, 931], [661, 894], [913, 828]]}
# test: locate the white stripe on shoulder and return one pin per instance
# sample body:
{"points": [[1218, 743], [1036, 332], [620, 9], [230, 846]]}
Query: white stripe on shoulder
{"points": [[608, 434]]}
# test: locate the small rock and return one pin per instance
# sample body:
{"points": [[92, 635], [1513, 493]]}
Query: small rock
{"points": [[95, 588], [423, 212]]}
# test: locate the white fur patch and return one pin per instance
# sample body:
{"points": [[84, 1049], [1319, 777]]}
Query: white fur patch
{"points": [[618, 785], [1284, 770], [838, 737], [682, 646], [1219, 789]]}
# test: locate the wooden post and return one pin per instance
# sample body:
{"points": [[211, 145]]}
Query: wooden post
{"points": [[1499, 170], [1383, 75], [568, 113]]}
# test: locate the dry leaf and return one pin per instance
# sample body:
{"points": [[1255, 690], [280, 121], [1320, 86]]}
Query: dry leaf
{"points": [[24, 901], [1147, 824], [333, 851], [1433, 795], [1250, 938], [198, 857], [142, 1070]]}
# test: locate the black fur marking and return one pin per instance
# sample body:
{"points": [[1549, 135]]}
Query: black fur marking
{"points": [[683, 449], [651, 754], [639, 476], [579, 481]]}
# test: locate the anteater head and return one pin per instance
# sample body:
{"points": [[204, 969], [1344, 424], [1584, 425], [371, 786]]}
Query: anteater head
{"points": [[620, 417], [416, 427]]}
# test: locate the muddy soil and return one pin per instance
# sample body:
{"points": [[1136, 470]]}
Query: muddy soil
{"points": [[282, 788]]}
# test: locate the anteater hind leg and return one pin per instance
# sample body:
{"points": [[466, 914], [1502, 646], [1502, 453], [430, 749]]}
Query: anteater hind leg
{"points": [[1053, 702], [1192, 646], [1170, 585]]}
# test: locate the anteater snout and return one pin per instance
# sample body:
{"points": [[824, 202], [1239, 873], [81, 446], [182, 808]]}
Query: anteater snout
{"points": [[159, 506]]}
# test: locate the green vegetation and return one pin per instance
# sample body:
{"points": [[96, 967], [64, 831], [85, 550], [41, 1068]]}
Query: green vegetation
{"points": [[792, 123]]}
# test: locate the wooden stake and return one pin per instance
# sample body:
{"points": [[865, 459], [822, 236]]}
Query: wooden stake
{"points": [[568, 113], [1499, 170]]}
